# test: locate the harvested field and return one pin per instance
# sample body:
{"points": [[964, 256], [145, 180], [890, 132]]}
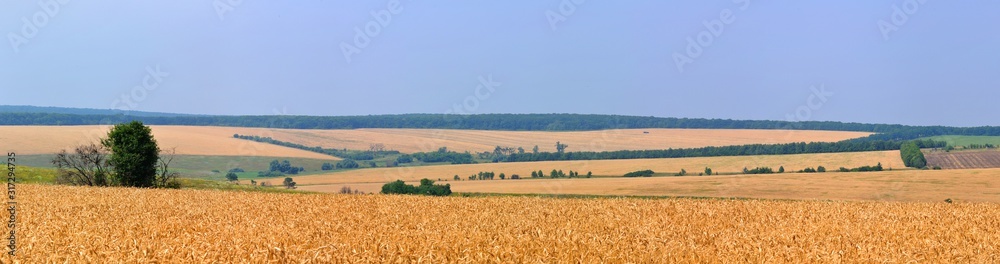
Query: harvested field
{"points": [[982, 185], [731, 164], [208, 140], [422, 140], [105, 225], [189, 140], [971, 159]]}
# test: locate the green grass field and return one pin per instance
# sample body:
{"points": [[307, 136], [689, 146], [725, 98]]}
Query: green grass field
{"points": [[957, 141], [34, 175], [206, 166]]}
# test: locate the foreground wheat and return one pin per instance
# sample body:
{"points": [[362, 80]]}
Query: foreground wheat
{"points": [[101, 225]]}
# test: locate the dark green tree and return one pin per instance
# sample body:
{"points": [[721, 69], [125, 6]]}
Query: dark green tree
{"points": [[708, 171], [231, 176], [912, 157], [289, 183], [134, 154]]}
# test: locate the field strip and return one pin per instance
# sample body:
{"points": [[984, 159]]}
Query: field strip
{"points": [[188, 140], [422, 140], [729, 164], [979, 185]]}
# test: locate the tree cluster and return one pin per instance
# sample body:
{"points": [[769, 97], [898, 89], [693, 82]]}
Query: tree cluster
{"points": [[347, 164], [128, 156], [427, 187], [284, 167], [911, 155], [863, 168], [443, 155], [758, 170], [642, 173]]}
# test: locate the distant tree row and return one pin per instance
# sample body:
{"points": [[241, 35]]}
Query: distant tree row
{"points": [[443, 155], [642, 173], [427, 187], [759, 170], [371, 154], [863, 168], [741, 150], [514, 122]]}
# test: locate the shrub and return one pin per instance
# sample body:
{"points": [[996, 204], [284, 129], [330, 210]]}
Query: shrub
{"points": [[289, 183], [911, 155], [642, 173], [231, 176], [758, 170], [347, 164]]}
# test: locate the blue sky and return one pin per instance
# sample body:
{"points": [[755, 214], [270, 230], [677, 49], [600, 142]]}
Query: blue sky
{"points": [[927, 63]]}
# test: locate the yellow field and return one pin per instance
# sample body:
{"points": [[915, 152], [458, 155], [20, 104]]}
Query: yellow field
{"points": [[207, 140], [980, 185], [189, 140], [422, 140], [57, 224], [832, 161]]}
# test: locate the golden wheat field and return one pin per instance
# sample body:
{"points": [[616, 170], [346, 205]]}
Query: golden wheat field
{"points": [[423, 140], [111, 225], [729, 164], [188, 140]]}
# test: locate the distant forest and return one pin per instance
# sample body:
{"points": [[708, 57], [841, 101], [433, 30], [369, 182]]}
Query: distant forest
{"points": [[509, 122]]}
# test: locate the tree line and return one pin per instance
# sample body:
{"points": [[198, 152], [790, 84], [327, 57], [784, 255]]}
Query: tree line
{"points": [[427, 187], [513, 122], [740, 150], [340, 153]]}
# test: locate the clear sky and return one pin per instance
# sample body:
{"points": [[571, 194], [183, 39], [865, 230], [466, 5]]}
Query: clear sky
{"points": [[926, 63]]}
